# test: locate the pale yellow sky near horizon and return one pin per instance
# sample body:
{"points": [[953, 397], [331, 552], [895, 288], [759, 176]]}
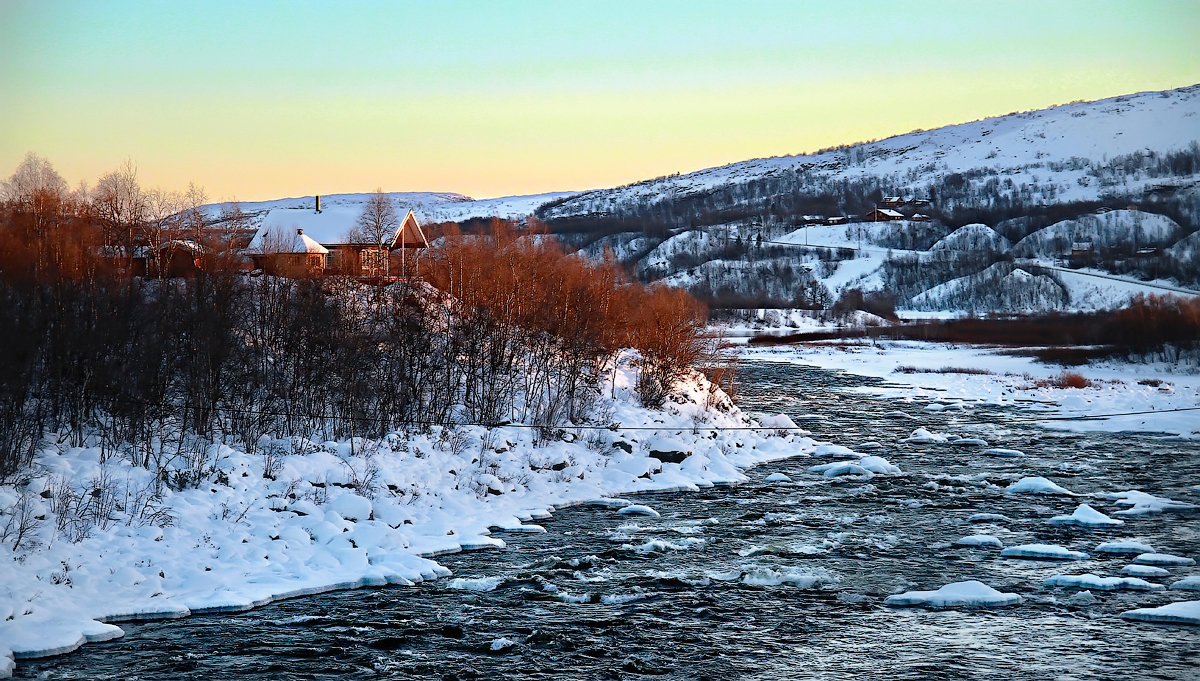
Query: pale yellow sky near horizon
{"points": [[263, 101]]}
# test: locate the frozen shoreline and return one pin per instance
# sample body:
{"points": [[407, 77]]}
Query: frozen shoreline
{"points": [[338, 516], [912, 370]]}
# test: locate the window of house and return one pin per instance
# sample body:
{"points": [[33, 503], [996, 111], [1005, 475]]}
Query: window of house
{"points": [[372, 261]]}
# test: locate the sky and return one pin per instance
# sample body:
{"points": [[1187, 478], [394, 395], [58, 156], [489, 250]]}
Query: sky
{"points": [[261, 100]]}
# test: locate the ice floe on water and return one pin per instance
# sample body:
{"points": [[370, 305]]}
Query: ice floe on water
{"points": [[1141, 503], [1090, 581], [980, 540], [835, 452], [969, 442], [1085, 516], [638, 509], [989, 518], [778, 477], [833, 470], [1036, 485], [1043, 552], [476, 584], [759, 575], [1124, 547], [1182, 612], [1000, 451], [502, 644], [1162, 559], [1145, 571], [969, 594], [922, 436], [662, 546], [1191, 583], [1084, 597]]}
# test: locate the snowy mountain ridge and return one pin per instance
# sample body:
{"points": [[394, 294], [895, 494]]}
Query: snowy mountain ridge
{"points": [[1093, 131]]}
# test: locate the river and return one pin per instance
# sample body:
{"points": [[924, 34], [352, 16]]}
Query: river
{"points": [[763, 580]]}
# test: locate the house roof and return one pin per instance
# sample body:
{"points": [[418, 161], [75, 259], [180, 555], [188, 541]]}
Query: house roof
{"points": [[888, 212], [333, 226], [892, 199]]}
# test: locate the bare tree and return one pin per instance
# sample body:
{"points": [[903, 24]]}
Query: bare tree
{"points": [[377, 225], [121, 204], [163, 223]]}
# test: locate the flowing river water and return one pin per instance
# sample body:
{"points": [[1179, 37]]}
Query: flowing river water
{"points": [[763, 580]]}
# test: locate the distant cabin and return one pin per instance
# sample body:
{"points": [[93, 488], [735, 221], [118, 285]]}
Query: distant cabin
{"points": [[882, 215], [837, 220], [920, 217], [334, 228], [892, 202]]}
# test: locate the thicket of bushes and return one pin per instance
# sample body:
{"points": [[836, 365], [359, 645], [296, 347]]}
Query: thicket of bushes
{"points": [[507, 327]]}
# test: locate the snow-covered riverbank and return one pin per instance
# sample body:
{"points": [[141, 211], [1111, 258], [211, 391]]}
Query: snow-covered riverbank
{"points": [[333, 515], [1119, 396]]}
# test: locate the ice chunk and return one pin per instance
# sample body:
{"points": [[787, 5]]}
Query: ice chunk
{"points": [[1144, 571], [1191, 583], [878, 464], [1182, 612], [476, 584], [980, 540], [1162, 559], [638, 509], [832, 470], [1125, 546], [1141, 503], [969, 442], [969, 594], [1000, 451], [801, 579], [1090, 581], [989, 518], [1036, 485], [835, 451], [501, 644], [778, 477], [922, 436], [1085, 516], [1043, 551], [1080, 598]]}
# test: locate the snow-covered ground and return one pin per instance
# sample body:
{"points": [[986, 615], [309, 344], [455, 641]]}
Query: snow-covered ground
{"points": [[337, 515], [1117, 399]]}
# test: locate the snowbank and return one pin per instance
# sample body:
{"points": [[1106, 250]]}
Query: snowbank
{"points": [[340, 515]]}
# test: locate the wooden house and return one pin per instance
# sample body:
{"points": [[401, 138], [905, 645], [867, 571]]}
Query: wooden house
{"points": [[298, 257], [892, 202], [837, 220], [882, 215], [347, 250]]}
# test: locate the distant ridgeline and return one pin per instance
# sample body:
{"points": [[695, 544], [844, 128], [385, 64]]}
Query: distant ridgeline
{"points": [[929, 217]]}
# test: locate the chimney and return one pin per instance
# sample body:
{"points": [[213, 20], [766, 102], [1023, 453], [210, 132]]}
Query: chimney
{"points": [[318, 203]]}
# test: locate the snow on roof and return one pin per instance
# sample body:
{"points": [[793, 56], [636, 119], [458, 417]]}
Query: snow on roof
{"points": [[303, 243], [890, 213], [892, 199], [333, 226]]}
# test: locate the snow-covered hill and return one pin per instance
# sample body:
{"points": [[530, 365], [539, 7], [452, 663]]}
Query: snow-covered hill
{"points": [[1063, 141], [429, 207]]}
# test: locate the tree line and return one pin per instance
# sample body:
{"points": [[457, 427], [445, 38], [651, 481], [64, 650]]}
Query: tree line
{"points": [[504, 325]]}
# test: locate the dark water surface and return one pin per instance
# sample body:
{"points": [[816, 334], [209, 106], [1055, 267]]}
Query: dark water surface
{"points": [[759, 581]]}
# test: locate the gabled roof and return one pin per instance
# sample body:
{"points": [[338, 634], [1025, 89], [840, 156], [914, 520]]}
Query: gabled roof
{"points": [[333, 226]]}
